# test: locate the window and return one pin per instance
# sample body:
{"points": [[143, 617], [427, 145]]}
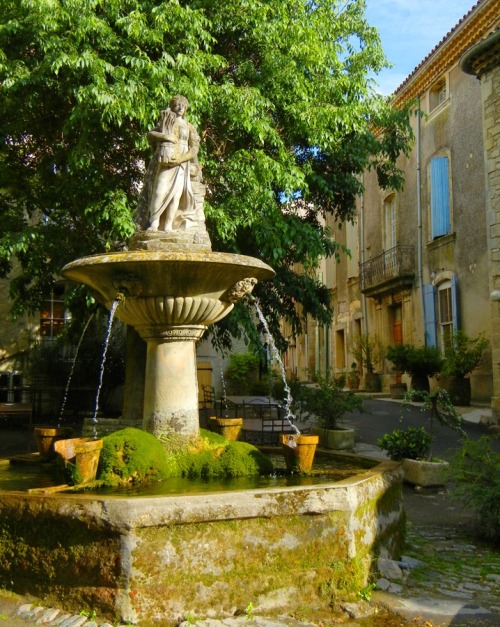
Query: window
{"points": [[390, 236], [440, 197], [340, 350], [52, 316], [390, 222], [396, 318], [438, 94], [441, 311], [351, 233], [445, 313]]}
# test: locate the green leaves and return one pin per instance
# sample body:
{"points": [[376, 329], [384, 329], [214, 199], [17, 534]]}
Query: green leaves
{"points": [[279, 93]]}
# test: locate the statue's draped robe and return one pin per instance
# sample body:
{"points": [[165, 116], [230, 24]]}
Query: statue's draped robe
{"points": [[171, 181]]}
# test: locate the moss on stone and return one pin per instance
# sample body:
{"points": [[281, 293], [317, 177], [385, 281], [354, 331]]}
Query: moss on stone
{"points": [[135, 456], [226, 459]]}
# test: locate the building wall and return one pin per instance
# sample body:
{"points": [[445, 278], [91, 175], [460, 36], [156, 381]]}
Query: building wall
{"points": [[454, 130], [450, 124]]}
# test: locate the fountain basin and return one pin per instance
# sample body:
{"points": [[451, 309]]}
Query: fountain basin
{"points": [[144, 274], [156, 559], [170, 299]]}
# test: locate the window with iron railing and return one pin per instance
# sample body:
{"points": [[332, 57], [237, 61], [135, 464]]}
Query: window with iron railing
{"points": [[393, 265]]}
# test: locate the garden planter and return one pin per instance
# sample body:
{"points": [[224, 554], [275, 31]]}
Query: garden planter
{"points": [[340, 439], [398, 390], [300, 457], [420, 382], [425, 473], [228, 428], [83, 454], [45, 438], [373, 382], [459, 391], [353, 382]]}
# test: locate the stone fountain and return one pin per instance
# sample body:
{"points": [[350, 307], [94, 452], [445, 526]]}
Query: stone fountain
{"points": [[157, 560], [170, 284]]}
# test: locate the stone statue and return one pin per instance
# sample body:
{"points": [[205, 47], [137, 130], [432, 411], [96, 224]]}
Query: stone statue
{"points": [[175, 188], [169, 213]]}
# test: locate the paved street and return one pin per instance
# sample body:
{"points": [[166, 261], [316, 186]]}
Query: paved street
{"points": [[382, 415]]}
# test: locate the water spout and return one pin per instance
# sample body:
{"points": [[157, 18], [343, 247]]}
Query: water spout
{"points": [[119, 298], [68, 383], [289, 417]]}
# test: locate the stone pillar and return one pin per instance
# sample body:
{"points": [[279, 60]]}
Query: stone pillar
{"points": [[483, 61], [171, 385]]}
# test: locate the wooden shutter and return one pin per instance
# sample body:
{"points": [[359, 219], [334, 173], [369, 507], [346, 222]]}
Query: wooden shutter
{"points": [[454, 303], [440, 197], [429, 315]]}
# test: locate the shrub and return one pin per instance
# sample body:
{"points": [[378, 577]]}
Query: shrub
{"points": [[368, 350], [243, 372], [327, 401], [415, 360], [412, 443], [475, 475], [462, 354]]}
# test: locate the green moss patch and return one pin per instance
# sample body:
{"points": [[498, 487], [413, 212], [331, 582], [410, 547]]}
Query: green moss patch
{"points": [[134, 456]]}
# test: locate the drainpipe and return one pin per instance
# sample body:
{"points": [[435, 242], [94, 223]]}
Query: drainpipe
{"points": [[419, 218]]}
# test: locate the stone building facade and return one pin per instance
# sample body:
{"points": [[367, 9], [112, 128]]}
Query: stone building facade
{"points": [[483, 61], [422, 259]]}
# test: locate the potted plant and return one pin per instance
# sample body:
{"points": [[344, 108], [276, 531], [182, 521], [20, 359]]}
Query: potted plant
{"points": [[326, 402], [461, 355], [369, 352], [353, 377], [413, 446], [398, 355], [420, 362]]}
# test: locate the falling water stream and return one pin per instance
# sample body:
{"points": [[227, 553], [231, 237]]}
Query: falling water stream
{"points": [[289, 417], [66, 390], [223, 383], [112, 312]]}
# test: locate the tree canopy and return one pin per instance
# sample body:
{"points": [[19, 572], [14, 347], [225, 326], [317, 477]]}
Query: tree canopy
{"points": [[280, 93]]}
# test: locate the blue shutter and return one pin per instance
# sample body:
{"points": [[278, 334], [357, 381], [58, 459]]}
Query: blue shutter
{"points": [[429, 315], [454, 303], [440, 197]]}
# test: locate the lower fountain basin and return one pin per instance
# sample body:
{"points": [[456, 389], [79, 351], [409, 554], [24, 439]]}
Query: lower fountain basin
{"points": [[158, 559]]}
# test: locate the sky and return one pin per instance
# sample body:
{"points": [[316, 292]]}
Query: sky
{"points": [[409, 30]]}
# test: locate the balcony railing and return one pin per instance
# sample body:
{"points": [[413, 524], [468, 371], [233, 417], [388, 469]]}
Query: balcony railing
{"points": [[394, 268]]}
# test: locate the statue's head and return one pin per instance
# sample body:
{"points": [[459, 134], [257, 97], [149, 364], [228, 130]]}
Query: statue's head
{"points": [[177, 101]]}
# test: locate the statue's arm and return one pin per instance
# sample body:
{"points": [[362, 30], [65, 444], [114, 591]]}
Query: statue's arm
{"points": [[156, 136], [194, 146]]}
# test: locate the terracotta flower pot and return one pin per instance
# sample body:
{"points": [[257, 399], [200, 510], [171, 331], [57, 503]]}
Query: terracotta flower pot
{"points": [[228, 428], [45, 438], [300, 457], [83, 453]]}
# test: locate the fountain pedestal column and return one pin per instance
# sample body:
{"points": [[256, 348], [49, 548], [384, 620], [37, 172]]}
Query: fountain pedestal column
{"points": [[171, 384]]}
